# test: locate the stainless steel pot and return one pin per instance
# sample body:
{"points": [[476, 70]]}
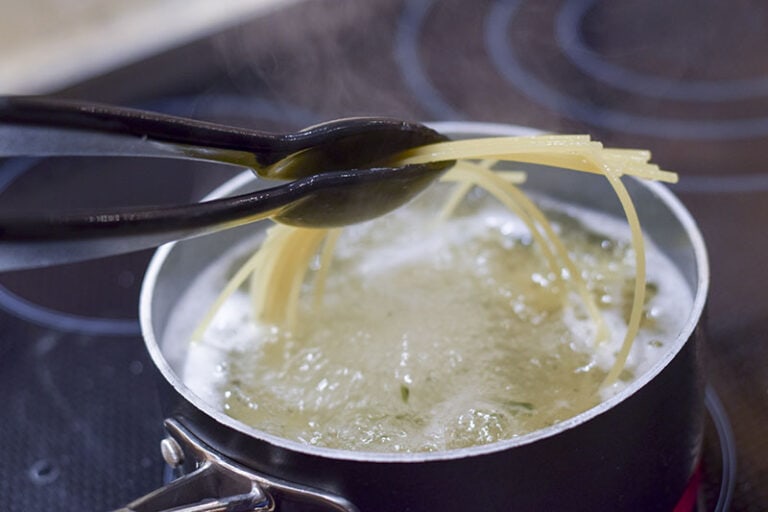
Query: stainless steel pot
{"points": [[635, 451]]}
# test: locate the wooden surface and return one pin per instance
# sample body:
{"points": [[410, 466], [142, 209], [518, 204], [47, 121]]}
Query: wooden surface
{"points": [[49, 44]]}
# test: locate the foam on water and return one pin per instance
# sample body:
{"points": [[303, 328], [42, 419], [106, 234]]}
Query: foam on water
{"points": [[434, 335]]}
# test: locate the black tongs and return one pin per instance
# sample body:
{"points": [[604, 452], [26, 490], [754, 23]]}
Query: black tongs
{"points": [[335, 173]]}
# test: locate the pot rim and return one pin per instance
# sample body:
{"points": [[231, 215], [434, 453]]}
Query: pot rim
{"points": [[465, 128]]}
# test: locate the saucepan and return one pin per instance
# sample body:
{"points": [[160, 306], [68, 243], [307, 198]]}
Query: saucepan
{"points": [[637, 450]]}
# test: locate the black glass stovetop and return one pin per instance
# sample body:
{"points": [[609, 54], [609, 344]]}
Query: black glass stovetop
{"points": [[82, 423]]}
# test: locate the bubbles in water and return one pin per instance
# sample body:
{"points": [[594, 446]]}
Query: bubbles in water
{"points": [[387, 374]]}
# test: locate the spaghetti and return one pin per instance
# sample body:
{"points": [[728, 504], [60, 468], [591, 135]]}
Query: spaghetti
{"points": [[279, 270]]}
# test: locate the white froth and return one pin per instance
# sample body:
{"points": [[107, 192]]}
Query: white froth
{"points": [[441, 246]]}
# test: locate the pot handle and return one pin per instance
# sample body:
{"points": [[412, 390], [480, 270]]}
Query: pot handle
{"points": [[218, 484]]}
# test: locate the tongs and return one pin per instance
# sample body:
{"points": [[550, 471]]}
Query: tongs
{"points": [[335, 173]]}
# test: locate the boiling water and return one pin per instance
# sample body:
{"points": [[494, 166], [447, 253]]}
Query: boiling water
{"points": [[435, 335]]}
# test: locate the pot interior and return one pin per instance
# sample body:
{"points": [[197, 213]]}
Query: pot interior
{"points": [[662, 216]]}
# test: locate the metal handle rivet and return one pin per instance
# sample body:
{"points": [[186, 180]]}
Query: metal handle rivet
{"points": [[172, 452]]}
